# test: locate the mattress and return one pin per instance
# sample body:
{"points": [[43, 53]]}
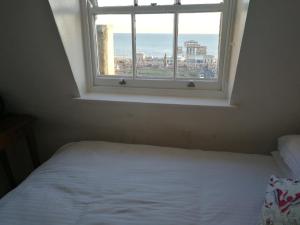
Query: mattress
{"points": [[97, 183]]}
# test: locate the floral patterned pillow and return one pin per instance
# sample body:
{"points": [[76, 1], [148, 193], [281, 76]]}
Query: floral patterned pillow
{"points": [[282, 202]]}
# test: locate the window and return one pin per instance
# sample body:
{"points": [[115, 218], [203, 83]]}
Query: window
{"points": [[158, 43]]}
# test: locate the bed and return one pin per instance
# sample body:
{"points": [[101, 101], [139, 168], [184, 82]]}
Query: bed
{"points": [[97, 183]]}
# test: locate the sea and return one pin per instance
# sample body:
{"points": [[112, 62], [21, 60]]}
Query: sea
{"points": [[157, 45]]}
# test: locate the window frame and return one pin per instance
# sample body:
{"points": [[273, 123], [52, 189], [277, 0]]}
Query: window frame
{"points": [[96, 81]]}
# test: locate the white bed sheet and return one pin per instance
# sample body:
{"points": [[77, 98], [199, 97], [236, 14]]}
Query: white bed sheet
{"points": [[97, 183]]}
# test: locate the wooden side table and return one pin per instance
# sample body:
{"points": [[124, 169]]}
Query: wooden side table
{"points": [[13, 127]]}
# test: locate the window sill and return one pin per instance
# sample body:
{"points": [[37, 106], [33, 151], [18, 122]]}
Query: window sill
{"points": [[163, 100]]}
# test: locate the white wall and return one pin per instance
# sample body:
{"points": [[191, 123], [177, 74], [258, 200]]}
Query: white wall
{"points": [[36, 78], [68, 20]]}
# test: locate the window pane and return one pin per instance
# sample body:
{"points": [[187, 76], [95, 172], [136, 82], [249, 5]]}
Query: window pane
{"points": [[115, 2], [114, 44], [158, 2], [154, 45], [198, 46], [183, 2]]}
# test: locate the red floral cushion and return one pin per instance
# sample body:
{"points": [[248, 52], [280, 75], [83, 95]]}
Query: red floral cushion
{"points": [[282, 202]]}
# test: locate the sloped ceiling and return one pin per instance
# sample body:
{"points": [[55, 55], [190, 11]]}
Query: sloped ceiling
{"points": [[36, 78]]}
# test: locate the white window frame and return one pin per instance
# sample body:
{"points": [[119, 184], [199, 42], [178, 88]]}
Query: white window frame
{"points": [[106, 83]]}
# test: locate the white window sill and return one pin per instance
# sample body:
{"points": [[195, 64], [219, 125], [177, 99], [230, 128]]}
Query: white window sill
{"points": [[164, 100]]}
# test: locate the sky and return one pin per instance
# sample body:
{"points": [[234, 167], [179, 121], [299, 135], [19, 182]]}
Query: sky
{"points": [[148, 2], [192, 23]]}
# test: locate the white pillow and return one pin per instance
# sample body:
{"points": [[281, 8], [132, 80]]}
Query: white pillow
{"points": [[289, 148], [286, 171]]}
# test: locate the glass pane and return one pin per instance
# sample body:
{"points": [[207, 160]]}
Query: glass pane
{"points": [[157, 2], [114, 44], [154, 45], [115, 2], [198, 46], [186, 2]]}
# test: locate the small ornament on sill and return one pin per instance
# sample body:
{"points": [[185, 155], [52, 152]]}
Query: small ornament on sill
{"points": [[191, 84], [122, 82]]}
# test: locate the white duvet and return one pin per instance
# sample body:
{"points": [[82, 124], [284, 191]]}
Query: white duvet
{"points": [[100, 183]]}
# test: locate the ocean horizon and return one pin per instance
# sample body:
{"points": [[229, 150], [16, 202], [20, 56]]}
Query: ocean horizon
{"points": [[157, 45]]}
